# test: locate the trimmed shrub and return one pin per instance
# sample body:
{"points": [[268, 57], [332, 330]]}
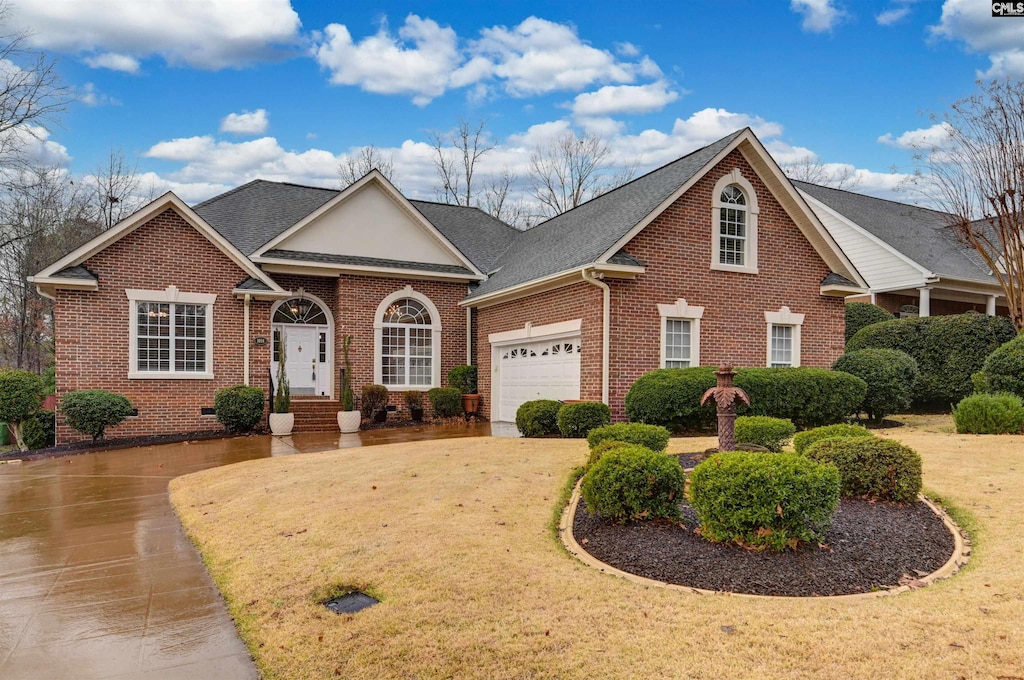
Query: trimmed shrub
{"points": [[21, 394], [413, 398], [771, 433], [653, 437], [804, 439], [238, 408], [670, 397], [631, 482], [989, 414], [947, 349], [93, 411], [890, 375], [1003, 370], [772, 500], [861, 314], [446, 402], [807, 396], [603, 448], [538, 418], [40, 430], [881, 469], [374, 398], [463, 378], [577, 420]]}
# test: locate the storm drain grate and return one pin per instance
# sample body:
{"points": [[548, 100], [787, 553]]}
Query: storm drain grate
{"points": [[350, 603]]}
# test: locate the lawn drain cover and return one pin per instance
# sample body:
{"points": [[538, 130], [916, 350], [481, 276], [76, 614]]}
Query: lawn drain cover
{"points": [[350, 603]]}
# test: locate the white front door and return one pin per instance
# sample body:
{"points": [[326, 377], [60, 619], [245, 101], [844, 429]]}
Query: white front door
{"points": [[537, 370], [306, 359]]}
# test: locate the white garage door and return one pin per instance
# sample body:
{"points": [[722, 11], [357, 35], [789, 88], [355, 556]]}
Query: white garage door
{"points": [[537, 370]]}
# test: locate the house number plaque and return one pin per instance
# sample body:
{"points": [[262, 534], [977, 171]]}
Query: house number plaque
{"points": [[260, 342]]}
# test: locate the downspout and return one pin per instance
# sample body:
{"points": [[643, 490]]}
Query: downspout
{"points": [[469, 336], [596, 279], [245, 338]]}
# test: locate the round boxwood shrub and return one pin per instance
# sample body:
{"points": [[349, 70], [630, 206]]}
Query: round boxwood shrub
{"points": [[463, 378], [446, 402], [93, 411], [238, 408], [771, 433], [807, 396], [670, 397], [881, 469], [804, 439], [890, 375], [603, 448], [39, 430], [1003, 370], [21, 394], [653, 437], [632, 482], [374, 398], [577, 420], [538, 418], [947, 349], [772, 500], [989, 414], [861, 314]]}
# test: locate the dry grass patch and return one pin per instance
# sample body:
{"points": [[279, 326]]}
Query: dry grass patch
{"points": [[453, 537]]}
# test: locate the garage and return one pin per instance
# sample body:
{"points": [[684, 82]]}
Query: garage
{"points": [[535, 369]]}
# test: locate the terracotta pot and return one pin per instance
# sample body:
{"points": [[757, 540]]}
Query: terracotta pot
{"points": [[470, 403], [348, 421], [281, 424]]}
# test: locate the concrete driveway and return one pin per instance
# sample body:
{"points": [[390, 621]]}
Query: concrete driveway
{"points": [[97, 579]]}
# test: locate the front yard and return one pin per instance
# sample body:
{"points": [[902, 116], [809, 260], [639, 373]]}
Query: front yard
{"points": [[453, 536]]}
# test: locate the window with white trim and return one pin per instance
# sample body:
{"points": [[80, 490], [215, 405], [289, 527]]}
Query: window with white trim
{"points": [[783, 338], [407, 341], [781, 346], [734, 217], [171, 334], [680, 334]]}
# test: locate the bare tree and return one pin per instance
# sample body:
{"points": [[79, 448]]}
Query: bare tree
{"points": [[977, 177], [117, 190], [809, 169], [501, 202], [571, 170], [456, 154], [358, 165]]}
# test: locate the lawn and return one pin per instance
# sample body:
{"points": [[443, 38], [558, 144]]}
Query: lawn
{"points": [[453, 536]]}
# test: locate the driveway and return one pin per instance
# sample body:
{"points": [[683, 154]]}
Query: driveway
{"points": [[97, 579]]}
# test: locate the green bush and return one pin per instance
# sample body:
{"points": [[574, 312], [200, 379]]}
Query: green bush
{"points": [[413, 398], [890, 375], [989, 414], [804, 439], [947, 349], [577, 420], [538, 418], [21, 394], [463, 378], [93, 411], [40, 430], [239, 408], [861, 314], [653, 437], [375, 397], [446, 402], [881, 469], [670, 397], [631, 482], [772, 500], [771, 433], [603, 448], [1003, 370]]}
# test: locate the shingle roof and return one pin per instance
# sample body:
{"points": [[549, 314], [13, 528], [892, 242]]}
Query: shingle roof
{"points": [[833, 279], [76, 272], [920, 234], [582, 235], [480, 237], [365, 261], [252, 284]]}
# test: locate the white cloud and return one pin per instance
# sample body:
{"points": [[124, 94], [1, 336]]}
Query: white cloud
{"points": [[620, 99], [892, 16], [34, 146], [627, 49], [245, 123], [89, 95], [116, 33], [934, 137], [820, 16], [1002, 39]]}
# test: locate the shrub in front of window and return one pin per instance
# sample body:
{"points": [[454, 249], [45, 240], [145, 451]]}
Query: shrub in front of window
{"points": [[445, 401], [890, 375], [771, 433], [577, 420], [463, 378], [861, 314], [804, 439], [1003, 370], [538, 418], [771, 500], [989, 414], [40, 430], [631, 482], [670, 397], [807, 396], [948, 350], [93, 411], [375, 397], [21, 394], [603, 448], [239, 408], [653, 437], [877, 469]]}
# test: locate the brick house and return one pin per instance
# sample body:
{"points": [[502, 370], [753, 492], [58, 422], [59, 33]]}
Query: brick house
{"points": [[714, 257]]}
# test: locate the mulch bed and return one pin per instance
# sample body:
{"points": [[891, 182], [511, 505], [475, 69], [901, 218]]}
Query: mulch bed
{"points": [[870, 546]]}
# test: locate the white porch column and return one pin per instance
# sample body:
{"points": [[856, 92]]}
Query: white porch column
{"points": [[924, 305], [990, 305]]}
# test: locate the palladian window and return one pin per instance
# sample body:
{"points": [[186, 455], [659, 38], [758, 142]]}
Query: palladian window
{"points": [[407, 353]]}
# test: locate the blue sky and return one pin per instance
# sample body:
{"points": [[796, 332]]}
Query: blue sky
{"points": [[205, 95]]}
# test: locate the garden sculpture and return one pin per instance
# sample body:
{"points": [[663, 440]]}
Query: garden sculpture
{"points": [[726, 396]]}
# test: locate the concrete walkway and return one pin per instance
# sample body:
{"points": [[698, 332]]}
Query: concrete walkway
{"points": [[97, 579]]}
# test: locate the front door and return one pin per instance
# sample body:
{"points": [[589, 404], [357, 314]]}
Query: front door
{"points": [[302, 363]]}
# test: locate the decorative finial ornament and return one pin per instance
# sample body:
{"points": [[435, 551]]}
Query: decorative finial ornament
{"points": [[726, 396]]}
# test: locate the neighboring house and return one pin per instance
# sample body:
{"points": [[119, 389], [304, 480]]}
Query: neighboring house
{"points": [[712, 258], [907, 255]]}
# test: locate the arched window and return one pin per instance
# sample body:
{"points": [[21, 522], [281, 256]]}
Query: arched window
{"points": [[300, 310], [408, 341], [734, 216]]}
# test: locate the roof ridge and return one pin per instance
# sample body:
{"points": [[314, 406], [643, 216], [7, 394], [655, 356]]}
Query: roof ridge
{"points": [[226, 193]]}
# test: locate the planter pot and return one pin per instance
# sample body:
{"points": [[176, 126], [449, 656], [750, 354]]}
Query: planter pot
{"points": [[380, 415], [416, 412], [470, 403], [348, 421], [281, 423]]}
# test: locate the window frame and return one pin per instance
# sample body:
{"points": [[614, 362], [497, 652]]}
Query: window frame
{"points": [[681, 311], [435, 345], [784, 318], [750, 265], [170, 296]]}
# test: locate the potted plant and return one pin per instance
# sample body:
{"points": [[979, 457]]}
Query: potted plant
{"points": [[375, 403], [348, 417], [464, 379], [282, 420], [414, 402]]}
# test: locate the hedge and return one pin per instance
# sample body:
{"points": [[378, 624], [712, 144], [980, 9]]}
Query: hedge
{"points": [[771, 433], [603, 448], [446, 402], [890, 375], [653, 437], [1003, 370], [632, 482], [804, 439], [91, 412], [947, 349], [538, 418], [670, 397], [880, 469], [989, 414], [861, 314], [577, 420]]}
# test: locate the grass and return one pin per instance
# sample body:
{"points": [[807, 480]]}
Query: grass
{"points": [[453, 537]]}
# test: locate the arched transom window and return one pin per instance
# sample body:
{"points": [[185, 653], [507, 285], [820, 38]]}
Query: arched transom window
{"points": [[300, 310], [734, 214], [732, 226], [407, 344]]}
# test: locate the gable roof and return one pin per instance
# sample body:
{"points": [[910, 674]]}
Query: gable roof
{"points": [[480, 237], [919, 234]]}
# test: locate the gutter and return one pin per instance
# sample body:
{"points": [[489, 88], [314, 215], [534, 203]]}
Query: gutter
{"points": [[595, 278], [245, 339]]}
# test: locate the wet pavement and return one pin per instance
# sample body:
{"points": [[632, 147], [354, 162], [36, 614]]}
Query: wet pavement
{"points": [[97, 578]]}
